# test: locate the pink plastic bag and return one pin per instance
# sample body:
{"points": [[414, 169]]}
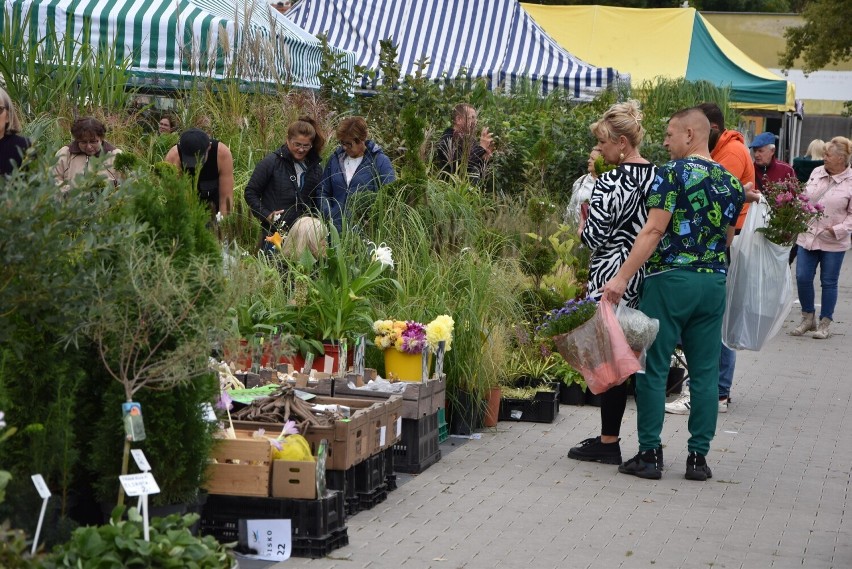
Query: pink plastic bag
{"points": [[599, 350]]}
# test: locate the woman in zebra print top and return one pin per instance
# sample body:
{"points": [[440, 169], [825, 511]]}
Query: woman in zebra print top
{"points": [[617, 212]]}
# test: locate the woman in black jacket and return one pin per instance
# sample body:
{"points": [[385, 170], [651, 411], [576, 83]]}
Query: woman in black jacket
{"points": [[284, 185]]}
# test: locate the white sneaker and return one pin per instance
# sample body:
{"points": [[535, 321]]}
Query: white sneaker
{"points": [[723, 405], [679, 406]]}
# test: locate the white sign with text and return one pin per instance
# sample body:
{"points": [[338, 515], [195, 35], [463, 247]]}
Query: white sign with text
{"points": [[271, 539]]}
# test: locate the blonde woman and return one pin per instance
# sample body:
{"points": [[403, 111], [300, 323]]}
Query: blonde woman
{"points": [[827, 239], [12, 145], [617, 213], [803, 166]]}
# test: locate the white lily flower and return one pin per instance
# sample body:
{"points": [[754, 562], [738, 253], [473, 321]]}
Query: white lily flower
{"points": [[382, 253]]}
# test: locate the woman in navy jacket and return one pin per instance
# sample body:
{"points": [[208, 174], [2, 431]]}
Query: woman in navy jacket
{"points": [[357, 165]]}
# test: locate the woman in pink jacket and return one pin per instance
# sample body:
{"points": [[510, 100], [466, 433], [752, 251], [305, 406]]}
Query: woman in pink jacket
{"points": [[827, 238]]}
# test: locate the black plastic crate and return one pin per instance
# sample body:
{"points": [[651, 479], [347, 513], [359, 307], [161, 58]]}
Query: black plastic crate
{"points": [[308, 518], [542, 408], [418, 448], [365, 476], [321, 546], [369, 500], [390, 477]]}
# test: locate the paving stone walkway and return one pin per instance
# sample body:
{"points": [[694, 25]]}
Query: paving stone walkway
{"points": [[779, 496]]}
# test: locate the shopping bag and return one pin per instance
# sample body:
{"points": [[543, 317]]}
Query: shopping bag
{"points": [[599, 350], [759, 285], [640, 330]]}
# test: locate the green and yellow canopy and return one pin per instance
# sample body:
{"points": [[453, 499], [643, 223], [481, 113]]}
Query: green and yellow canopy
{"points": [[666, 42]]}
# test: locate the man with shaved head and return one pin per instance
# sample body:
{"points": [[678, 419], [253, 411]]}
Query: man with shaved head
{"points": [[692, 209]]}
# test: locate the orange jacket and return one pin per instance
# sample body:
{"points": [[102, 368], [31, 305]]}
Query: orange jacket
{"points": [[731, 152]]}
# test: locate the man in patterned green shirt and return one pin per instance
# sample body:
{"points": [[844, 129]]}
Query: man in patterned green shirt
{"points": [[692, 209]]}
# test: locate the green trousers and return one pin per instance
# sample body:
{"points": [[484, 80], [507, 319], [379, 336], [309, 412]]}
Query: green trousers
{"points": [[689, 306]]}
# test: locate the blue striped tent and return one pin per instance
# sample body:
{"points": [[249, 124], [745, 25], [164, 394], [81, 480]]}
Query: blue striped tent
{"points": [[494, 39], [169, 42]]}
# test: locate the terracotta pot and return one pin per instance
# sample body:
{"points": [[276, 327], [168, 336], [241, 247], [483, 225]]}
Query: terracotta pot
{"points": [[331, 350], [492, 411]]}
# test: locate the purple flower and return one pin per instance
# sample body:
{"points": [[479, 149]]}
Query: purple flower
{"points": [[225, 402], [413, 337]]}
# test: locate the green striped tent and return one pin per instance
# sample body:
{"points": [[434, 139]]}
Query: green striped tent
{"points": [[171, 42]]}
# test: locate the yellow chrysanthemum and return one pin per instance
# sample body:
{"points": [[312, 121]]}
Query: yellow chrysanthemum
{"points": [[440, 330]]}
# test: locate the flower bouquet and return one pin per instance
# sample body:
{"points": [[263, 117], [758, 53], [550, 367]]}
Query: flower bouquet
{"points": [[400, 338], [790, 211], [589, 337]]}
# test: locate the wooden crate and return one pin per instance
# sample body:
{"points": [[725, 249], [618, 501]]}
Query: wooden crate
{"points": [[418, 399], [242, 467]]}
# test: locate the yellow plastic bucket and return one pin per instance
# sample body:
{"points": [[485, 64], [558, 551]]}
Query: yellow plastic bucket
{"points": [[402, 366]]}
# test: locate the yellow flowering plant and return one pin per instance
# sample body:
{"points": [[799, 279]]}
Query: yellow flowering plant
{"points": [[412, 337]]}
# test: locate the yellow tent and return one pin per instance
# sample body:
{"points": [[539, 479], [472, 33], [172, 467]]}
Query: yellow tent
{"points": [[667, 42]]}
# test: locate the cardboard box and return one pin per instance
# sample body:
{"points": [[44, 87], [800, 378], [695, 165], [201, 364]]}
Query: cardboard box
{"points": [[241, 468], [294, 479], [350, 441]]}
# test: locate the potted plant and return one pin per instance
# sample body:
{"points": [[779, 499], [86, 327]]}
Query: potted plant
{"points": [[332, 292], [121, 543], [403, 343], [572, 386]]}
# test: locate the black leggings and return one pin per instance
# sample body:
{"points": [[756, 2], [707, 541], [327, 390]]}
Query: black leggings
{"points": [[613, 403]]}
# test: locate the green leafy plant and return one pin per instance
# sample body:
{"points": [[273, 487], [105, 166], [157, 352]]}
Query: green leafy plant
{"points": [[337, 288], [120, 544]]}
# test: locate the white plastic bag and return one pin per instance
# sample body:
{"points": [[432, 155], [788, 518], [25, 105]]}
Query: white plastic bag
{"points": [[759, 286], [640, 330]]}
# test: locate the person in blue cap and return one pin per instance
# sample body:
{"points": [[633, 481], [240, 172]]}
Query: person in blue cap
{"points": [[767, 168]]}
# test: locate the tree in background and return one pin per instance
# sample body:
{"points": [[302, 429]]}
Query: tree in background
{"points": [[825, 38]]}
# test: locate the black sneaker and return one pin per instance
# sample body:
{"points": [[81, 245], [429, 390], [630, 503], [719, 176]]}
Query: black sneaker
{"points": [[593, 450], [646, 464], [696, 467]]}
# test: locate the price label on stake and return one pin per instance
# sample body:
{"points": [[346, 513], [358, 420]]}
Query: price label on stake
{"points": [[41, 486], [382, 435], [140, 459], [44, 492], [139, 484]]}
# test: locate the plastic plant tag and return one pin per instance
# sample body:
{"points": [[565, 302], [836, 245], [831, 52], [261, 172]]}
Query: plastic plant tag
{"points": [[322, 456], [134, 428], [439, 359], [44, 492], [139, 458], [304, 395], [424, 366], [271, 540], [309, 363], [41, 486], [359, 355], [342, 355], [139, 484]]}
